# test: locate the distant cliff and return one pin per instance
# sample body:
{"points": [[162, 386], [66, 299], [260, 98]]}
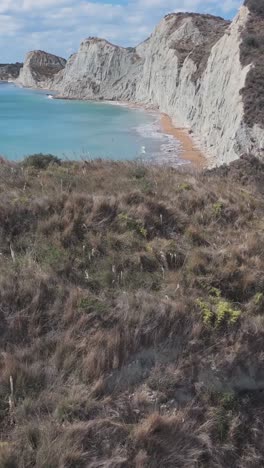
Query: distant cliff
{"points": [[10, 71], [205, 72], [39, 69]]}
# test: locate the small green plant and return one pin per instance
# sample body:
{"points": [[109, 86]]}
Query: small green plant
{"points": [[217, 209], [225, 312], [217, 311], [142, 231], [258, 298], [208, 314], [132, 224], [184, 186], [215, 292], [229, 401]]}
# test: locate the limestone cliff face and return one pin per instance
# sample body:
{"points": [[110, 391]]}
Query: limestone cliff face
{"points": [[103, 71], [203, 96], [39, 69], [190, 68]]}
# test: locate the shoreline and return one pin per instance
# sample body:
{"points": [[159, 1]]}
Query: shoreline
{"points": [[189, 151]]}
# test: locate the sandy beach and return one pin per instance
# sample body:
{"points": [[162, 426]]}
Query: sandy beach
{"points": [[189, 151]]}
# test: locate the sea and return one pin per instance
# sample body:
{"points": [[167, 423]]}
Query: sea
{"points": [[32, 121]]}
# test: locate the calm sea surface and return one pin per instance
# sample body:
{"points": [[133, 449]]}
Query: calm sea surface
{"points": [[31, 122]]}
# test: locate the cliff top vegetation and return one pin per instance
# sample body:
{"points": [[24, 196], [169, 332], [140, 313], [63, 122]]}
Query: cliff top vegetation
{"points": [[252, 52], [131, 315]]}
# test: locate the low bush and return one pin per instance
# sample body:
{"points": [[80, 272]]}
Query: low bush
{"points": [[40, 161]]}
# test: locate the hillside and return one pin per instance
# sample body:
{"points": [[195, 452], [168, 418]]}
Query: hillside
{"points": [[10, 71], [203, 71], [131, 304]]}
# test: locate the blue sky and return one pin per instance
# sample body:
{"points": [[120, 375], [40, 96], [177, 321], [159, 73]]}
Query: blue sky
{"points": [[58, 26]]}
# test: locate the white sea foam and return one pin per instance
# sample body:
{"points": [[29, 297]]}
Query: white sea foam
{"points": [[150, 130], [168, 148]]}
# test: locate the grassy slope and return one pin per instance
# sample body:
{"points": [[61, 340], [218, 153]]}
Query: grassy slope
{"points": [[131, 306]]}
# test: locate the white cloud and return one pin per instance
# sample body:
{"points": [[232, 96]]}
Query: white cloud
{"points": [[9, 26], [60, 25]]}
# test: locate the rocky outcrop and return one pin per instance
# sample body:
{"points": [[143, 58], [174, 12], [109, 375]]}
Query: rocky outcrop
{"points": [[40, 69], [102, 70], [10, 71], [190, 68]]}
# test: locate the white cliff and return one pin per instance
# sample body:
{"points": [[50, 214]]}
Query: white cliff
{"points": [[189, 68], [101, 70], [39, 69], [210, 104]]}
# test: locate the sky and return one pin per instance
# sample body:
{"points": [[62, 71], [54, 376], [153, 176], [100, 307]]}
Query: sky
{"points": [[58, 26]]}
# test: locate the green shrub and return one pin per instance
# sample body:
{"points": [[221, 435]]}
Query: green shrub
{"points": [[217, 311], [217, 209], [132, 224], [225, 312], [258, 298], [40, 161], [184, 186]]}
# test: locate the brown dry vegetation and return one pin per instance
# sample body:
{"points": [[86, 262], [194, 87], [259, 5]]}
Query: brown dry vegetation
{"points": [[252, 52], [132, 316]]}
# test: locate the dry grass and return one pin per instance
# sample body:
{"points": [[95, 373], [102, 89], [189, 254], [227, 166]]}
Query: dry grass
{"points": [[131, 307]]}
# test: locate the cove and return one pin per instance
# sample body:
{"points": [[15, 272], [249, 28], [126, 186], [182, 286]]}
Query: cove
{"points": [[31, 122]]}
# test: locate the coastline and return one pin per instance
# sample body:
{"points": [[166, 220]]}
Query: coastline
{"points": [[189, 151]]}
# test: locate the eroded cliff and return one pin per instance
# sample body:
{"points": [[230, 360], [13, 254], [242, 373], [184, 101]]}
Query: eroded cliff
{"points": [[192, 67], [39, 69]]}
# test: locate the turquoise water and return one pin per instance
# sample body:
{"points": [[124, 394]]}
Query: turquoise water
{"points": [[31, 123]]}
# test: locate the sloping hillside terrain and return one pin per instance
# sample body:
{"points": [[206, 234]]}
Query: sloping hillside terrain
{"points": [[131, 306], [10, 71]]}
